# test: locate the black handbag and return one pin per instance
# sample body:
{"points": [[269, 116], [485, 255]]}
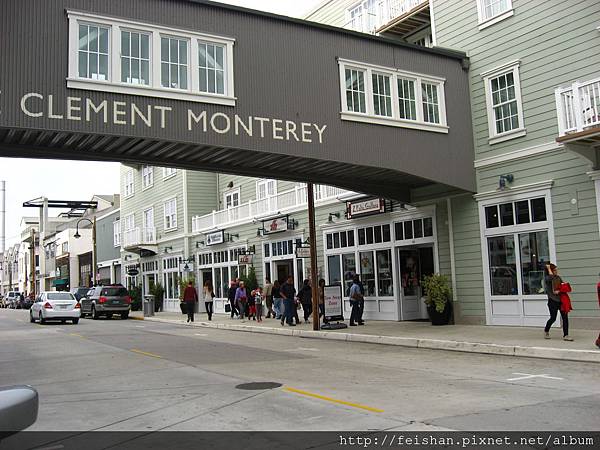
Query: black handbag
{"points": [[227, 307], [183, 307]]}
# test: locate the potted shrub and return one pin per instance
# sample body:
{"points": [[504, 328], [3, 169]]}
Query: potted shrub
{"points": [[136, 298], [437, 298], [158, 292]]}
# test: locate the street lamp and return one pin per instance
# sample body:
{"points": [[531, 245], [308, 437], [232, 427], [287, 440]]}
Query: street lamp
{"points": [[94, 253]]}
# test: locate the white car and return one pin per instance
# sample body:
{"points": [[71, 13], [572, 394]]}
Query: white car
{"points": [[55, 306]]}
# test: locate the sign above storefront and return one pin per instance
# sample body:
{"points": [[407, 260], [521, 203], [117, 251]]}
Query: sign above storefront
{"points": [[302, 252], [133, 272], [214, 238], [365, 208], [277, 225], [186, 267], [246, 259]]}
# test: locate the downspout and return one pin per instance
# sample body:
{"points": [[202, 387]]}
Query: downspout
{"points": [[451, 243]]}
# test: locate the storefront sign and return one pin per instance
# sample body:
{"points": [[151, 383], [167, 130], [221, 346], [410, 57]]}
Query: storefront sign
{"points": [[186, 267], [276, 225], [245, 259], [365, 208], [133, 272], [333, 302], [302, 252], [217, 237]]}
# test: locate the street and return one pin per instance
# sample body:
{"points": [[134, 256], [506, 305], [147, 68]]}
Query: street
{"points": [[133, 375]]}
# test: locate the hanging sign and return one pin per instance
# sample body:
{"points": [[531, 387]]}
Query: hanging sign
{"points": [[186, 267], [245, 259], [333, 302], [365, 208], [277, 225], [133, 272], [302, 252], [214, 238]]}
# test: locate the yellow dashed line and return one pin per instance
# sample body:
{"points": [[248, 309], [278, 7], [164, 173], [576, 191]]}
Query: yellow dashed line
{"points": [[332, 400], [145, 353]]}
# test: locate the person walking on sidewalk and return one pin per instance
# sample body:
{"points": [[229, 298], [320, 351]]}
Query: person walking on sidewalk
{"points": [[277, 301], [209, 295], [231, 297], [305, 297], [258, 303], [190, 297], [241, 298], [288, 293], [268, 294], [552, 285], [355, 298]]}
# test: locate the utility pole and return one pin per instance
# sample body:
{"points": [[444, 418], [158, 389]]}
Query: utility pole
{"points": [[94, 253], [32, 262], [313, 256]]}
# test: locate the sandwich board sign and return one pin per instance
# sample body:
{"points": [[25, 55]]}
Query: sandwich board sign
{"points": [[334, 309]]}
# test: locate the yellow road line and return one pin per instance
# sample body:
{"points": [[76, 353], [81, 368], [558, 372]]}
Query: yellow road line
{"points": [[145, 353], [333, 400], [78, 335]]}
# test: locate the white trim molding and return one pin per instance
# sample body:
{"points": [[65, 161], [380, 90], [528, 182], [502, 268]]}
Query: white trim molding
{"points": [[485, 22], [518, 154], [515, 190]]}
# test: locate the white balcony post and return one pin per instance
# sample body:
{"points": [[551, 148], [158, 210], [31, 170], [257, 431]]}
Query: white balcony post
{"points": [[577, 106], [560, 112]]}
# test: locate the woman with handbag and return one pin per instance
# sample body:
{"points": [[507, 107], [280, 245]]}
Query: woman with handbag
{"points": [[241, 298], [553, 285], [208, 295]]}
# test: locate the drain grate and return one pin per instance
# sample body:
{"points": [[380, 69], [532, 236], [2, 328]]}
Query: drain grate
{"points": [[258, 386]]}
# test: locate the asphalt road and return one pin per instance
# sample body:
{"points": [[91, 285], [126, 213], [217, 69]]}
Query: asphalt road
{"points": [[141, 376]]}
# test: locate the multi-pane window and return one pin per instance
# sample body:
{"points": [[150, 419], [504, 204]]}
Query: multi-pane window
{"points": [[374, 235], [135, 57], [431, 105], [504, 103], [117, 233], [265, 188], [128, 184], [93, 52], [129, 222], [516, 213], [174, 62], [382, 95], [169, 171], [492, 8], [147, 176], [340, 239], [282, 248], [406, 99], [170, 208], [355, 90], [414, 229], [211, 65]]}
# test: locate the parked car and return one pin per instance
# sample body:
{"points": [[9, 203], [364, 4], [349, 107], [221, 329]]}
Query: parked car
{"points": [[12, 298], [25, 303], [80, 291], [55, 306], [106, 301]]}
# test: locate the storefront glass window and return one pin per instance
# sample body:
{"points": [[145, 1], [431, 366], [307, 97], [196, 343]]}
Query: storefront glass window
{"points": [[502, 265], [535, 254], [506, 214], [409, 270], [369, 231], [367, 273], [361, 236], [522, 211], [217, 283], [491, 216], [538, 210], [418, 228], [427, 227], [330, 241], [399, 230], [335, 273], [267, 251], [386, 233], [408, 230], [349, 267], [384, 273]]}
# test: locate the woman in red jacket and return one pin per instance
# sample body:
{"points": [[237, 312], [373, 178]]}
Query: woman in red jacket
{"points": [[190, 297]]}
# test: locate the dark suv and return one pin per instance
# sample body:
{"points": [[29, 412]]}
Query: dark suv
{"points": [[80, 292], [106, 301]]}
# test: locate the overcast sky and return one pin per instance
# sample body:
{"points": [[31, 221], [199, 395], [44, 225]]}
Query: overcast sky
{"points": [[27, 179]]}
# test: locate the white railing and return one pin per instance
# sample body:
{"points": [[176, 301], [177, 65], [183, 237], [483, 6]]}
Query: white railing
{"points": [[139, 236], [385, 11], [255, 209], [578, 106]]}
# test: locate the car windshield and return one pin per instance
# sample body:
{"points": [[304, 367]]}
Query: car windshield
{"points": [[114, 292], [60, 296]]}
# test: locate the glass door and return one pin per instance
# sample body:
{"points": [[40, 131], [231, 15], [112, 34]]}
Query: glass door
{"points": [[414, 264]]}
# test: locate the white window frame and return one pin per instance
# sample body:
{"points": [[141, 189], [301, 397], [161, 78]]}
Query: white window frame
{"points": [[129, 184], [485, 22], [154, 89], [139, 57], [172, 214], [169, 172], [117, 233], [231, 193], [129, 219], [394, 120], [265, 182], [487, 76], [147, 177]]}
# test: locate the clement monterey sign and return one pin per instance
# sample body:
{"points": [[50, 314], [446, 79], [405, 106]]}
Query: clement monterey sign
{"points": [[365, 208], [83, 109]]}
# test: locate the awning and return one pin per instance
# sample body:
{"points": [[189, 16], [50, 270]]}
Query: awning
{"points": [[60, 282]]}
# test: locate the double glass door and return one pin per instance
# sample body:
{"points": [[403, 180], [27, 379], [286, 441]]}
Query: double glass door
{"points": [[414, 264]]}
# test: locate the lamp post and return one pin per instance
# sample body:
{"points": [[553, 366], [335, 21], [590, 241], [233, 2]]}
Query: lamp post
{"points": [[94, 252]]}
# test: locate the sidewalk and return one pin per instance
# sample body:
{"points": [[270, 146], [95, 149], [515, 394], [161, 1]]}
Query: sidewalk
{"points": [[509, 341]]}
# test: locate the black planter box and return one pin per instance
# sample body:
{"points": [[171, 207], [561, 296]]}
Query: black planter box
{"points": [[438, 318]]}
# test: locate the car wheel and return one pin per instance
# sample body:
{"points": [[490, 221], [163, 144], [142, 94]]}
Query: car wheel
{"points": [[42, 320], [75, 321], [31, 319], [94, 314], [125, 315]]}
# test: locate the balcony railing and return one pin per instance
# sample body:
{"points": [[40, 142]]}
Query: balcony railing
{"points": [[385, 11], [578, 107], [139, 236], [255, 209]]}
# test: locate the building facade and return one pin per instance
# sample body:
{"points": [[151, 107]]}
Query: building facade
{"points": [[535, 102]]}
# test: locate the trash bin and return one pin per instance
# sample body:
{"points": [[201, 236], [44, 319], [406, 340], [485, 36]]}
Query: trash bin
{"points": [[148, 305]]}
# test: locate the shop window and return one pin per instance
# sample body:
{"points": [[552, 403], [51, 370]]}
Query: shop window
{"points": [[267, 251], [516, 213], [340, 239], [367, 273], [334, 270], [418, 228], [535, 254], [502, 265], [522, 211], [385, 284], [374, 235], [538, 210], [408, 230], [349, 268], [506, 214]]}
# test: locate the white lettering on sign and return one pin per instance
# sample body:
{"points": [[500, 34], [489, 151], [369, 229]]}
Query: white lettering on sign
{"points": [[366, 207], [34, 104]]}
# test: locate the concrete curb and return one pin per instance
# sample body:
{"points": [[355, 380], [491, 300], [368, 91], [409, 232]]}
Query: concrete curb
{"points": [[136, 318], [411, 342]]}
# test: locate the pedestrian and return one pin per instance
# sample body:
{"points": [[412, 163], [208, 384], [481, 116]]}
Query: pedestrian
{"points": [[190, 297], [268, 295], [231, 297], [209, 295], [277, 301], [598, 293], [251, 306], [288, 294], [305, 297], [361, 302], [552, 285], [258, 297], [322, 300], [355, 297], [241, 298]]}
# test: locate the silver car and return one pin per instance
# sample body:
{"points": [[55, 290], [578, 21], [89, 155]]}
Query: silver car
{"points": [[55, 306]]}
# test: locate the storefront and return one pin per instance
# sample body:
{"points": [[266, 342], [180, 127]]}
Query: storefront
{"points": [[391, 253], [150, 275], [280, 260], [171, 276]]}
